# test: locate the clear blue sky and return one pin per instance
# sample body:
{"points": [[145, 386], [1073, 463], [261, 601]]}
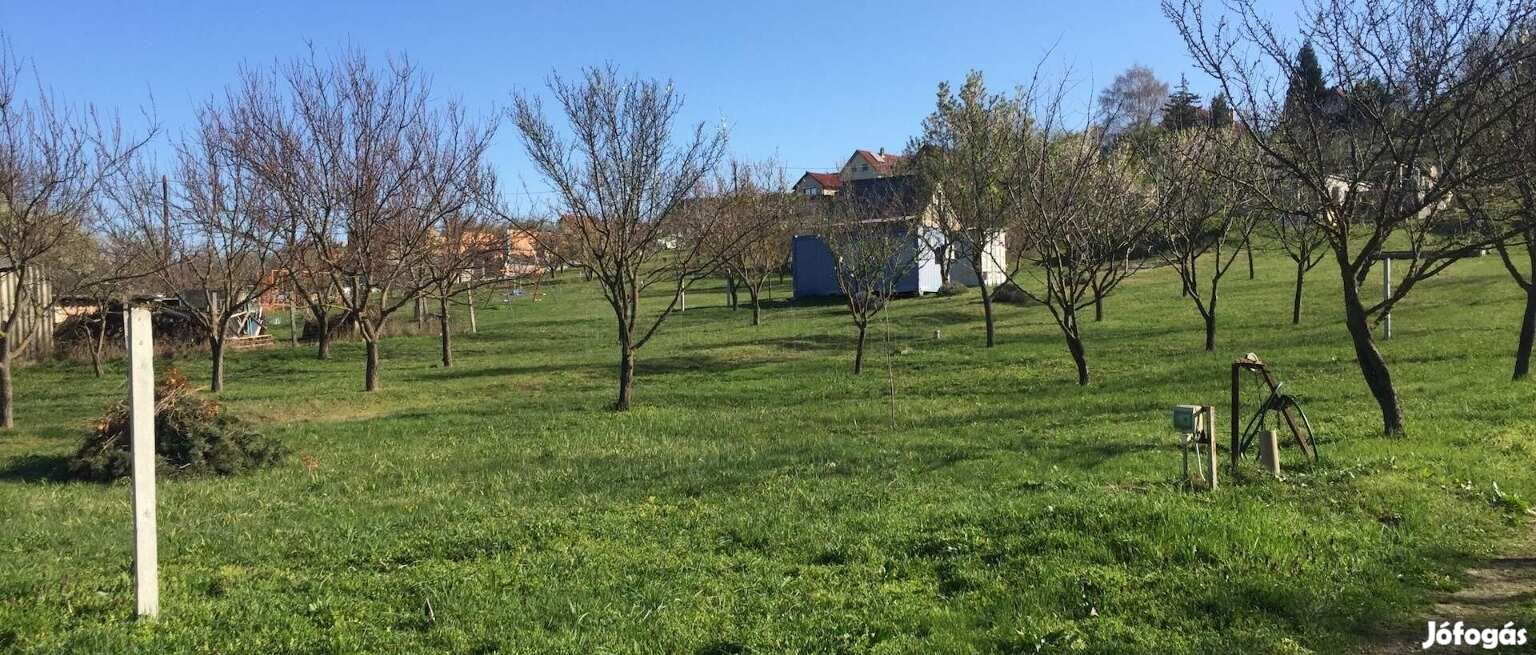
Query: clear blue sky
{"points": [[806, 82]]}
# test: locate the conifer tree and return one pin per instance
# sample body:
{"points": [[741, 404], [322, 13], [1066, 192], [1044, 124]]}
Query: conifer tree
{"points": [[1182, 109], [1221, 111]]}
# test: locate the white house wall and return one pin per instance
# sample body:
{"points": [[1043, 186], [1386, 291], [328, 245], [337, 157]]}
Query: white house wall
{"points": [[993, 264]]}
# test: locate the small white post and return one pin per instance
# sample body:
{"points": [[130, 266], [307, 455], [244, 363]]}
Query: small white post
{"points": [[1386, 293], [474, 328], [1209, 428], [141, 405], [1269, 451], [682, 297]]}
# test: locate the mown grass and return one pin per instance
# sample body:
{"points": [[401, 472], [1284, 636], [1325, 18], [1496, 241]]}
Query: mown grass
{"points": [[762, 499]]}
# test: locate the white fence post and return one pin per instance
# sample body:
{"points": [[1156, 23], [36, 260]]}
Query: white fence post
{"points": [[141, 406], [1386, 294]]}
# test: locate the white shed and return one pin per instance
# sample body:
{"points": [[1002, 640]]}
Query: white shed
{"points": [[34, 323]]}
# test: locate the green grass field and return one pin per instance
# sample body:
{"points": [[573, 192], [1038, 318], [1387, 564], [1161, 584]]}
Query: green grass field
{"points": [[760, 498]]}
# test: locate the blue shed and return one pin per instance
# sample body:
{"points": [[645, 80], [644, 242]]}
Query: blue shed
{"points": [[815, 271]]}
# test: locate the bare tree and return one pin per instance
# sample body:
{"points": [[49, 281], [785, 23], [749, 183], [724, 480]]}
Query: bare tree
{"points": [[215, 243], [875, 241], [1201, 205], [1135, 99], [1380, 157], [101, 268], [365, 168], [468, 256], [289, 156], [760, 218], [622, 173], [1504, 207], [973, 142], [55, 161], [1509, 212], [1303, 241], [1084, 215]]}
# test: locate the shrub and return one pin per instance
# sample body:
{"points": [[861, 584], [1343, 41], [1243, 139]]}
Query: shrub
{"points": [[193, 436], [952, 289], [1011, 294]]}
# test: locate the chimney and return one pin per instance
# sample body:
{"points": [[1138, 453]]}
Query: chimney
{"points": [[882, 153]]}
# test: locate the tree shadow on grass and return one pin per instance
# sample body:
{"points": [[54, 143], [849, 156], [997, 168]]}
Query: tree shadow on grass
{"points": [[720, 648], [799, 342], [700, 361], [1086, 456], [465, 373], [37, 468]]}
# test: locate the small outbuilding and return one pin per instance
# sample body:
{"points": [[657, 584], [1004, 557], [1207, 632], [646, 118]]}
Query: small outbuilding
{"points": [[34, 314], [890, 203], [890, 194], [992, 263], [815, 268]]}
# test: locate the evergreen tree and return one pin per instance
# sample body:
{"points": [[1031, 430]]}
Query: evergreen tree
{"points": [[1307, 89], [1182, 109], [1221, 111]]}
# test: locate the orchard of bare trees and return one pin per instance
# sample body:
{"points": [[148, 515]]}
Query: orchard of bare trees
{"points": [[353, 188]]}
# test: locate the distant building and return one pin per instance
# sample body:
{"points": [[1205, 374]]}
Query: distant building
{"points": [[521, 257], [887, 203], [862, 165], [877, 177], [815, 268], [866, 165], [35, 318], [818, 184], [246, 321]]}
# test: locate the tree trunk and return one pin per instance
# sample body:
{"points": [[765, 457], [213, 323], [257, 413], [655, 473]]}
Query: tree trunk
{"points": [[1075, 346], [99, 343], [755, 292], [942, 254], [1248, 245], [216, 353], [986, 308], [1372, 366], [1210, 321], [293, 325], [322, 335], [1301, 276], [858, 353], [1527, 335], [626, 377], [1098, 306], [7, 394], [1210, 332], [442, 307], [730, 291], [474, 327], [371, 370]]}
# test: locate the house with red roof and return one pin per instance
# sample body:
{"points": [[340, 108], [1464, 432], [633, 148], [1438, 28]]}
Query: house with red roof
{"points": [[818, 184], [862, 165], [866, 165]]}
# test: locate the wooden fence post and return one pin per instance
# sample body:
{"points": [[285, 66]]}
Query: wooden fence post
{"points": [[141, 405], [1237, 445]]}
